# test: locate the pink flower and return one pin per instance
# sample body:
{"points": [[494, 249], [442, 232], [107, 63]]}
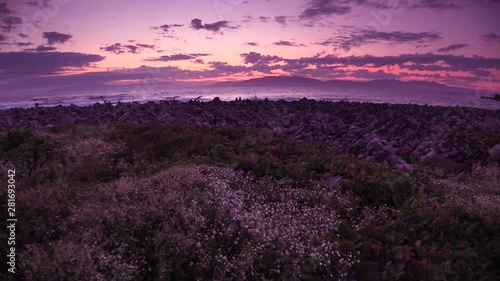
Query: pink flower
{"points": [[254, 160], [273, 148], [276, 159], [432, 206]]}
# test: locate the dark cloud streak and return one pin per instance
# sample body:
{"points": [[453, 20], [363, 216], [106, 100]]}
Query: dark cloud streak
{"points": [[8, 23], [179, 57], [456, 63], [329, 66], [281, 20], [119, 48], [453, 47], [43, 48], [491, 38], [288, 44], [351, 38], [166, 27], [56, 37], [167, 30], [254, 57], [4, 10], [18, 64], [319, 8], [437, 4], [215, 27]]}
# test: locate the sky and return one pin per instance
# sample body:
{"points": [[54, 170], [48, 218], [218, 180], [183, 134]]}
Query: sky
{"points": [[48, 43]]}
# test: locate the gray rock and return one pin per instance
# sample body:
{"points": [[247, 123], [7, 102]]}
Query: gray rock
{"points": [[374, 145], [67, 120], [124, 117], [453, 153], [490, 123], [442, 127], [335, 181], [435, 160], [394, 160], [494, 153], [166, 118], [280, 130]]}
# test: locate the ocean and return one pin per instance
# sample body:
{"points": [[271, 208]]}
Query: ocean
{"points": [[27, 100]]}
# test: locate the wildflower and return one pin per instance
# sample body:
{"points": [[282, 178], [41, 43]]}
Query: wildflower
{"points": [[276, 159], [254, 160], [399, 256], [274, 148]]}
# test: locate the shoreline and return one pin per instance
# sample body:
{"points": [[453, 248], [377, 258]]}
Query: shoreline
{"points": [[249, 93], [454, 137]]}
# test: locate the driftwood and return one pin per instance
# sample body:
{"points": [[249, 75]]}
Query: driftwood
{"points": [[105, 101]]}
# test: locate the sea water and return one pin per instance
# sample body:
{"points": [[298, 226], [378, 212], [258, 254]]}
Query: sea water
{"points": [[30, 99]]}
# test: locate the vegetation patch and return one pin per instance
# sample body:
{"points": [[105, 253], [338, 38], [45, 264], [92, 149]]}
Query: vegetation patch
{"points": [[188, 202]]}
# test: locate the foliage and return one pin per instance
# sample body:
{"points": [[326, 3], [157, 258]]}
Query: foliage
{"points": [[189, 202], [491, 138]]}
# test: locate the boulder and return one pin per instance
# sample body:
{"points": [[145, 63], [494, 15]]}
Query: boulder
{"points": [[335, 181], [374, 145], [441, 128], [490, 124], [165, 118], [433, 159], [394, 160], [494, 153]]}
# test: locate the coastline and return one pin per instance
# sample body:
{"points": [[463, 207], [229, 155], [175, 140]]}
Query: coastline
{"points": [[252, 180], [454, 137]]}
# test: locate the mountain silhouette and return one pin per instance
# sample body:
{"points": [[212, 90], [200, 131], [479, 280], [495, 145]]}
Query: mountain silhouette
{"points": [[297, 81]]}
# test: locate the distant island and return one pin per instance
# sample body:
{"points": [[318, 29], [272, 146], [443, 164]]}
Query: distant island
{"points": [[297, 81]]}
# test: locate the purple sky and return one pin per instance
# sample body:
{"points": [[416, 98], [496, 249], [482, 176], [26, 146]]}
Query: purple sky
{"points": [[44, 43]]}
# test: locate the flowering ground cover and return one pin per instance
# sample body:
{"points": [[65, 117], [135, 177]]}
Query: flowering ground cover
{"points": [[189, 202]]}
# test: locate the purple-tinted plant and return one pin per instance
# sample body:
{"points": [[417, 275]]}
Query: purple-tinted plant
{"points": [[186, 223], [254, 160]]}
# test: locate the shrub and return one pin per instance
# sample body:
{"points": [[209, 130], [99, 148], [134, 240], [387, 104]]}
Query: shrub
{"points": [[189, 202], [458, 219], [185, 223], [491, 138], [28, 151], [88, 160]]}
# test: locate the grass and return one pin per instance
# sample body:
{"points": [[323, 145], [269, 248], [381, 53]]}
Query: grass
{"points": [[188, 202]]}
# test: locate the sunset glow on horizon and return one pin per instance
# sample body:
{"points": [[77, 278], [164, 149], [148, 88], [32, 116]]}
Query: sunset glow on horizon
{"points": [[455, 43]]}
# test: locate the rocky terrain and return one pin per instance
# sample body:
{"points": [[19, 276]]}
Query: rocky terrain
{"points": [[457, 138]]}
